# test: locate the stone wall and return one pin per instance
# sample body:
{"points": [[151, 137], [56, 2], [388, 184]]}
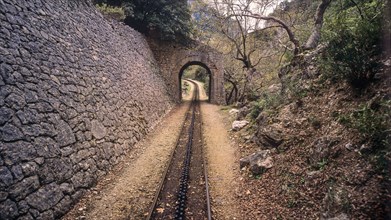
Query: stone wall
{"points": [[76, 93]]}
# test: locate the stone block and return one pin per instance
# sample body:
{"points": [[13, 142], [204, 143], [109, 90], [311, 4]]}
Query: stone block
{"points": [[62, 207], [3, 195], [17, 172], [32, 130], [16, 152], [67, 188], [10, 132], [46, 147], [26, 217], [65, 135], [29, 168], [5, 115], [45, 198], [56, 169], [15, 101], [97, 129], [6, 178], [9, 210], [23, 188], [23, 207], [46, 215], [82, 180], [28, 116]]}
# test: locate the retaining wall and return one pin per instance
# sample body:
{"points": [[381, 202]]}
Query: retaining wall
{"points": [[76, 93]]}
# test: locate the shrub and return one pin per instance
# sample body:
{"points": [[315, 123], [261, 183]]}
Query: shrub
{"points": [[117, 13], [256, 109], [372, 124], [355, 42], [268, 102], [164, 19], [170, 19]]}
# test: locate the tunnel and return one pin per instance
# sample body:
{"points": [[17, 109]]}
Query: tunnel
{"points": [[195, 67]]}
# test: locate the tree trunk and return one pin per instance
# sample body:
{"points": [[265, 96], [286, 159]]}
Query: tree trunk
{"points": [[314, 38], [234, 89]]}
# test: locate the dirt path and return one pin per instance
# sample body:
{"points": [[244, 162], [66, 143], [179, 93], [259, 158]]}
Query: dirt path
{"points": [[223, 169]]}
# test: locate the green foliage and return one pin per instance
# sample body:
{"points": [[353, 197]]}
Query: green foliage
{"points": [[268, 102], [354, 35], [198, 73], [321, 164], [168, 19], [115, 12], [372, 124], [295, 88], [256, 109], [201, 74], [204, 21]]}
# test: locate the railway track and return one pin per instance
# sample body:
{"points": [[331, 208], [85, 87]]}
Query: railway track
{"points": [[183, 192]]}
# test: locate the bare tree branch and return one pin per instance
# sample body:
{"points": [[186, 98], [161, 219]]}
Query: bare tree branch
{"points": [[288, 30]]}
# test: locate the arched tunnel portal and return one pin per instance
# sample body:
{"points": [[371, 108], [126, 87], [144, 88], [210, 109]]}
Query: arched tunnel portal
{"points": [[216, 81], [195, 63], [173, 58]]}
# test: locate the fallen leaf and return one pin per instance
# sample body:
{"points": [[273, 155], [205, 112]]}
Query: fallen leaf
{"points": [[160, 210]]}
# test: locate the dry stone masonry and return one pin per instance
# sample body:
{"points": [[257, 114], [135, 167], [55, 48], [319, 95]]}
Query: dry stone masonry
{"points": [[173, 58], [76, 93]]}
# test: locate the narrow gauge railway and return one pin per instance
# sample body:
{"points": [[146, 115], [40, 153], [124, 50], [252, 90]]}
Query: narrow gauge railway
{"points": [[183, 192]]}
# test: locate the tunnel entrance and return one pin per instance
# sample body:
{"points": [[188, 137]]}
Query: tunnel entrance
{"points": [[194, 71]]}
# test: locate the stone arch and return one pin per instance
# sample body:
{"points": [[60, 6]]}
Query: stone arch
{"points": [[172, 57], [205, 60], [181, 71]]}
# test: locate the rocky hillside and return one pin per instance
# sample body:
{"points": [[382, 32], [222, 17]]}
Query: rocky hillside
{"points": [[318, 151]]}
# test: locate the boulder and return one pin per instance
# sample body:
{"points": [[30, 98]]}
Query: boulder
{"points": [[257, 162], [237, 125], [234, 112], [243, 112], [270, 137]]}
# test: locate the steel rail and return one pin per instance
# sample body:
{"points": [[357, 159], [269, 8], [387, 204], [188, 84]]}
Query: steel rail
{"points": [[183, 186], [161, 184], [208, 204]]}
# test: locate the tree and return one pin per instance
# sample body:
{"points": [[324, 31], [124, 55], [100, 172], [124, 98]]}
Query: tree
{"points": [[169, 19], [355, 41], [313, 40], [240, 10], [236, 25]]}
